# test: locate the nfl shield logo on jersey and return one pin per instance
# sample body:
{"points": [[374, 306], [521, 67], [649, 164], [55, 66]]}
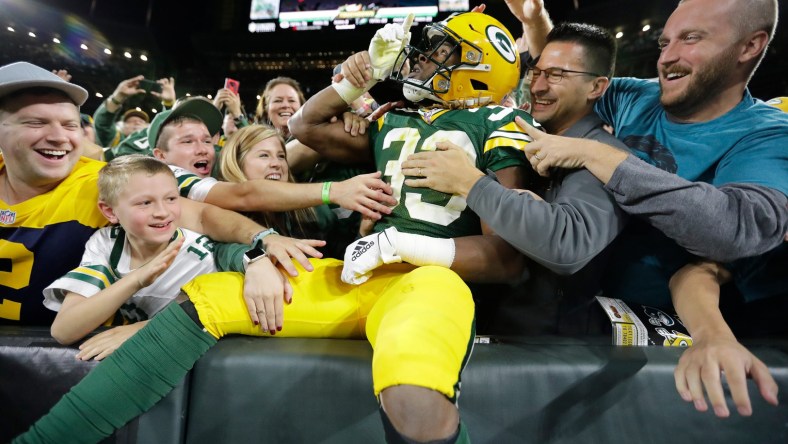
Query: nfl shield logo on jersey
{"points": [[7, 217]]}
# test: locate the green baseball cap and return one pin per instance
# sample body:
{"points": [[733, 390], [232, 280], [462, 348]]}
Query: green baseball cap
{"points": [[198, 108]]}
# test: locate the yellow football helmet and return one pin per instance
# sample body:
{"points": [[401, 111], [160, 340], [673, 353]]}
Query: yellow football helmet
{"points": [[476, 58]]}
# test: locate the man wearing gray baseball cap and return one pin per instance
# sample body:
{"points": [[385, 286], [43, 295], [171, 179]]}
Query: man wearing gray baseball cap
{"points": [[49, 193]]}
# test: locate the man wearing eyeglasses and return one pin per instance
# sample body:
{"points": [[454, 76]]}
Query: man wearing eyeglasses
{"points": [[705, 172], [570, 219], [705, 177]]}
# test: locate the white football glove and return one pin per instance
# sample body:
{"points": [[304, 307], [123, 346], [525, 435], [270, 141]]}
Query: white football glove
{"points": [[367, 254], [386, 45], [390, 246]]}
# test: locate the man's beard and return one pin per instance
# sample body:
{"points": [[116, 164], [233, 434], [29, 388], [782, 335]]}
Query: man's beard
{"points": [[706, 83]]}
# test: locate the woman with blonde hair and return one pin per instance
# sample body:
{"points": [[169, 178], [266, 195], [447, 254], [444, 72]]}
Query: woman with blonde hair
{"points": [[258, 152]]}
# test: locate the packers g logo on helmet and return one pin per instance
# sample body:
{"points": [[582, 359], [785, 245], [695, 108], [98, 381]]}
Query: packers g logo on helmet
{"points": [[502, 43], [486, 69]]}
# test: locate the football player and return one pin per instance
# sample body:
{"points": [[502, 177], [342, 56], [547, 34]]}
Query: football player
{"points": [[454, 77]]}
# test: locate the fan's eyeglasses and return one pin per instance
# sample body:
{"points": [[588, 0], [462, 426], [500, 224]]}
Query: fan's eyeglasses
{"points": [[555, 75]]}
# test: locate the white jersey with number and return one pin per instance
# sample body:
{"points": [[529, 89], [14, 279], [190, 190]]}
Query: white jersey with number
{"points": [[107, 258]]}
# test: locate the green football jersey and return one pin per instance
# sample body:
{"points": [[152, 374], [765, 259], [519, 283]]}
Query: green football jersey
{"points": [[488, 135]]}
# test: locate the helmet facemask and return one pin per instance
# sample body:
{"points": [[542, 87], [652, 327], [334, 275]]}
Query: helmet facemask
{"points": [[477, 44], [438, 45]]}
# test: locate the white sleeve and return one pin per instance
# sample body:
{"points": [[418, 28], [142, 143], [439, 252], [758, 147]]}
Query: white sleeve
{"points": [[192, 186]]}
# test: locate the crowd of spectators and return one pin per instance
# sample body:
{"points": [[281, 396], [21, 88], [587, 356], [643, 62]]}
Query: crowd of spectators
{"points": [[438, 194]]}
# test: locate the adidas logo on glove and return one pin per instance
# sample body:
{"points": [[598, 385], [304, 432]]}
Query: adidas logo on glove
{"points": [[361, 248]]}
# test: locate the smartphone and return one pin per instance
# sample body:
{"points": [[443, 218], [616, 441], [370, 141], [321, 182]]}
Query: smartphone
{"points": [[150, 86], [232, 85]]}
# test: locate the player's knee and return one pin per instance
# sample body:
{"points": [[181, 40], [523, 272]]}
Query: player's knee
{"points": [[446, 287]]}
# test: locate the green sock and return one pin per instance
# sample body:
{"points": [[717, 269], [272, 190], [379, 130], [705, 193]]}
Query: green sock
{"points": [[127, 383], [463, 437]]}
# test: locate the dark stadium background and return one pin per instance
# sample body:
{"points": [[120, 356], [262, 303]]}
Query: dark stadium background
{"points": [[200, 42]]}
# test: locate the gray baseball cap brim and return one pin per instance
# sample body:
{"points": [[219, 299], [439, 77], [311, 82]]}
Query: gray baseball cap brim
{"points": [[23, 75]]}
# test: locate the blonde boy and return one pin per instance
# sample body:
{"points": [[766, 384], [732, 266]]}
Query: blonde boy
{"points": [[133, 268]]}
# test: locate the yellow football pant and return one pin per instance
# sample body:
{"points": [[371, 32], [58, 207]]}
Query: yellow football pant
{"points": [[419, 320]]}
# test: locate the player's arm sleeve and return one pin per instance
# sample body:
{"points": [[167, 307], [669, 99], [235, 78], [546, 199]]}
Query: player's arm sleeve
{"points": [[722, 223], [229, 256], [313, 127], [104, 124], [562, 235], [503, 148]]}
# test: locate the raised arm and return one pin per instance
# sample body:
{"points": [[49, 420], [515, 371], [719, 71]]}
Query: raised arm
{"points": [[312, 124], [80, 315], [536, 23]]}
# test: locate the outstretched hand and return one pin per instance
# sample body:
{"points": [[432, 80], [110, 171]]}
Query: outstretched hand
{"points": [[283, 250], [148, 273], [548, 151], [62, 73], [700, 368], [103, 344], [525, 10], [448, 169], [365, 193]]}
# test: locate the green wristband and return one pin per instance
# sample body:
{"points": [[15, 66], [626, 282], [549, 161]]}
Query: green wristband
{"points": [[326, 191]]}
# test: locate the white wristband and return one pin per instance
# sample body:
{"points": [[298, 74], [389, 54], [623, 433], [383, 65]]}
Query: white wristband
{"points": [[424, 250], [348, 92]]}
